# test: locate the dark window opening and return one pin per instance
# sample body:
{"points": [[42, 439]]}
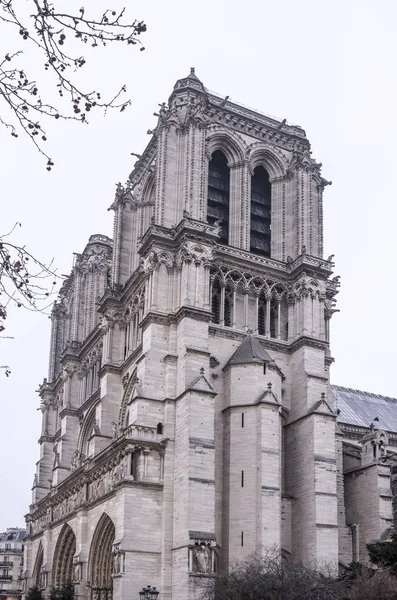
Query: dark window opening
{"points": [[261, 318], [242, 478], [160, 428], [260, 212], [228, 310], [216, 302], [273, 318], [242, 419], [242, 538], [264, 368], [218, 194]]}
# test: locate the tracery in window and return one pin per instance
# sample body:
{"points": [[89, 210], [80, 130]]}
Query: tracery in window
{"points": [[260, 212], [218, 194]]}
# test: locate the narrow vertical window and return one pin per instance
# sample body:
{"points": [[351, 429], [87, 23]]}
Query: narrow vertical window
{"points": [[262, 315], [242, 538], [218, 194], [260, 212], [228, 312], [216, 302], [242, 478], [242, 419]]}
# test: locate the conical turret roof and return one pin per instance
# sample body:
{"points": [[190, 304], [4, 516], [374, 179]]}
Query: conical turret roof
{"points": [[250, 351]]}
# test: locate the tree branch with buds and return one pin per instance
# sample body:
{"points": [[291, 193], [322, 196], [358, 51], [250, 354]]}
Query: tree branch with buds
{"points": [[25, 281], [56, 35]]}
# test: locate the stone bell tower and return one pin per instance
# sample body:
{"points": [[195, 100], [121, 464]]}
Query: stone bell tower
{"points": [[225, 206], [193, 385]]}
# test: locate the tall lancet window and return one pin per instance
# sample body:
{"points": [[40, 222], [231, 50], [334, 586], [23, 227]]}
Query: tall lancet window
{"points": [[260, 212], [218, 194]]}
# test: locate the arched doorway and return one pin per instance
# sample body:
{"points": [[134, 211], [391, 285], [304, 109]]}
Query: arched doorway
{"points": [[65, 549], [100, 561]]}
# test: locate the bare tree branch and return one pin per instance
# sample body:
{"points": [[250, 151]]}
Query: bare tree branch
{"points": [[25, 281], [50, 31]]}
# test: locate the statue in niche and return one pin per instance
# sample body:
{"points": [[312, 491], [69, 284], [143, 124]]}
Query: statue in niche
{"points": [[76, 569], [115, 431], [117, 557], [56, 457], [201, 554], [75, 463]]}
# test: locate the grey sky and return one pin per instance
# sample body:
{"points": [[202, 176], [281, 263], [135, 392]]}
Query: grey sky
{"points": [[327, 66]]}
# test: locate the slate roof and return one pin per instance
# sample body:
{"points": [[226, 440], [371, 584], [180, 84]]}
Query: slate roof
{"points": [[250, 351], [13, 535], [361, 408]]}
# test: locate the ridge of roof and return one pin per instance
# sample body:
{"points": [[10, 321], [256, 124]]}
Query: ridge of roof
{"points": [[363, 392]]}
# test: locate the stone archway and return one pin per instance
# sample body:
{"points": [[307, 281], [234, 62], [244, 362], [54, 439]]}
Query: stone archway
{"points": [[101, 559], [65, 549]]}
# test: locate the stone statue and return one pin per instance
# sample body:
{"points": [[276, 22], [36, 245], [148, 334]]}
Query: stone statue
{"points": [[56, 457], [76, 569], [115, 430], [116, 562], [75, 462], [202, 559]]}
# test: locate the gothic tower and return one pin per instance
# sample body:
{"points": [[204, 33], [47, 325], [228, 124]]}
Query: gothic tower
{"points": [[193, 404]]}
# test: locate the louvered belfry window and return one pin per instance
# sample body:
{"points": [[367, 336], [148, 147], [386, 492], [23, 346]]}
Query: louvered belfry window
{"points": [[218, 194], [260, 212]]}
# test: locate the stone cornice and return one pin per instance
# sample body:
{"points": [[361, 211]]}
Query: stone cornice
{"points": [[305, 340], [110, 368], [68, 412], [286, 132], [285, 271], [155, 317], [186, 229], [192, 312]]}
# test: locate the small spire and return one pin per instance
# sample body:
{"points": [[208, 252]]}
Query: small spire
{"points": [[192, 70], [269, 386], [202, 371]]}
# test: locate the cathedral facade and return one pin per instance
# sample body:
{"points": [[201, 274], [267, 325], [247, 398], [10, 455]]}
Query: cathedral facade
{"points": [[188, 416]]}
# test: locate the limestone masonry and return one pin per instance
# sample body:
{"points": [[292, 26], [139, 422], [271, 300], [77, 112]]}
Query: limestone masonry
{"points": [[188, 416]]}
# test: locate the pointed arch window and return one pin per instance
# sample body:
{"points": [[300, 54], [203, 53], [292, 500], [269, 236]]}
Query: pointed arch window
{"points": [[218, 193], [260, 212]]}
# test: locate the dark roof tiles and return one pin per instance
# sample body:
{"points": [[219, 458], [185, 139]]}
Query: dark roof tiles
{"points": [[250, 351], [360, 409]]}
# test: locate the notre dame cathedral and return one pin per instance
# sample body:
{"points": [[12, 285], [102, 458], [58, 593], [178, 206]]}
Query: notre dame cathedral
{"points": [[188, 416]]}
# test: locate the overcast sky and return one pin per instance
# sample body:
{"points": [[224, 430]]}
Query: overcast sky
{"points": [[329, 66]]}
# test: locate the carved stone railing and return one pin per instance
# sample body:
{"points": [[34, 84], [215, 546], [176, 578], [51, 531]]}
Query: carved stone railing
{"points": [[141, 432]]}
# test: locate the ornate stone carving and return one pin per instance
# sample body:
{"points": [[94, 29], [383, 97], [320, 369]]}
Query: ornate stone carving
{"points": [[96, 261], [77, 460]]}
